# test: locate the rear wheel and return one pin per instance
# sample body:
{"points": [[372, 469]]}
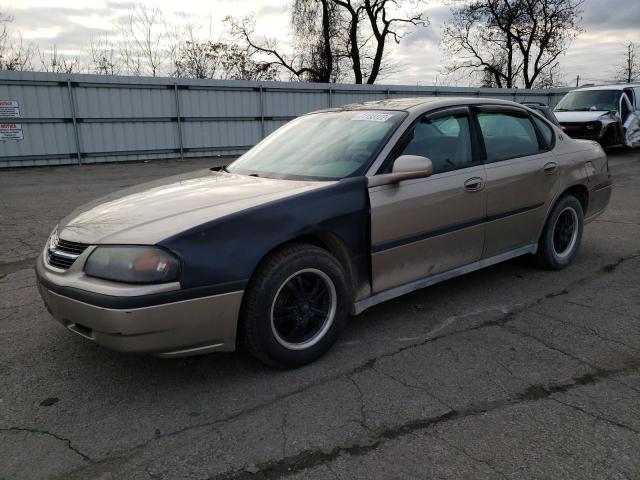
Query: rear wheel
{"points": [[295, 306], [562, 234]]}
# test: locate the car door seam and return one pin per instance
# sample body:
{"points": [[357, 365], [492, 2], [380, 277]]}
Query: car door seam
{"points": [[450, 228]]}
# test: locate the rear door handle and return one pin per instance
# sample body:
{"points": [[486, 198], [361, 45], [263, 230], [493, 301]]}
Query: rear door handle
{"points": [[474, 184], [550, 168]]}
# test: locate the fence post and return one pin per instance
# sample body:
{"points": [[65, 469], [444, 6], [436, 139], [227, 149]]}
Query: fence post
{"points": [[330, 99], [388, 93], [179, 122], [262, 132], [76, 134]]}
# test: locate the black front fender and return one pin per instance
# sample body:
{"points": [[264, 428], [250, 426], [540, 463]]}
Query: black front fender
{"points": [[227, 250]]}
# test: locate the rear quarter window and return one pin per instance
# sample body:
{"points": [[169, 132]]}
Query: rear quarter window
{"points": [[545, 130]]}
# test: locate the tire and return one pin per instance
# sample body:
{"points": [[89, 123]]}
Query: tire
{"points": [[562, 234], [294, 307]]}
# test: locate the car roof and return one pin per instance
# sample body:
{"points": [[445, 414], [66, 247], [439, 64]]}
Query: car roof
{"points": [[620, 86], [421, 103]]}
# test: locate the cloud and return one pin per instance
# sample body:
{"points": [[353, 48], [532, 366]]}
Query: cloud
{"points": [[612, 15], [47, 17], [270, 10], [115, 5], [607, 24]]}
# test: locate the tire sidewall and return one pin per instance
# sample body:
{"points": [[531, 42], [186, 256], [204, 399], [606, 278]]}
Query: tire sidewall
{"points": [[265, 290], [552, 258]]}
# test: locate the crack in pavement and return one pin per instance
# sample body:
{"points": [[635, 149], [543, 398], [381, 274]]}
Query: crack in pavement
{"points": [[84, 456], [7, 268], [370, 364], [363, 414], [597, 417], [312, 458], [471, 457], [588, 330], [604, 309]]}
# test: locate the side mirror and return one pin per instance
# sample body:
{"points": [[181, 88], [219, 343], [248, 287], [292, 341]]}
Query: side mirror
{"points": [[405, 167]]}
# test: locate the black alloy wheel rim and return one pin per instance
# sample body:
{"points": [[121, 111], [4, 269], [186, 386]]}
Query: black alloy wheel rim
{"points": [[303, 308], [564, 232]]}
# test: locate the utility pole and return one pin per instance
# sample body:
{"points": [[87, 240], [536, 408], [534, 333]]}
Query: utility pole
{"points": [[577, 81], [630, 61]]}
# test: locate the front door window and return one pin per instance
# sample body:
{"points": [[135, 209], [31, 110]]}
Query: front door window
{"points": [[446, 141]]}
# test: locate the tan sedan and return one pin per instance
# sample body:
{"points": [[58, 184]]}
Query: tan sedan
{"points": [[331, 214]]}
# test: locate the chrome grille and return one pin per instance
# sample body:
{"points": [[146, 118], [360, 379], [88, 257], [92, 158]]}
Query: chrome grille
{"points": [[62, 253]]}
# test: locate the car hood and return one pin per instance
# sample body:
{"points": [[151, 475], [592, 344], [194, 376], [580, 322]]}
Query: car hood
{"points": [[578, 117], [149, 213]]}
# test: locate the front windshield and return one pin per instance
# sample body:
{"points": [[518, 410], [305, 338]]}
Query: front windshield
{"points": [[594, 100], [327, 145]]}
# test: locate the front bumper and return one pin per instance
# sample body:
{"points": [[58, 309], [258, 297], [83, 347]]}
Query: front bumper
{"points": [[584, 136], [579, 131], [177, 328]]}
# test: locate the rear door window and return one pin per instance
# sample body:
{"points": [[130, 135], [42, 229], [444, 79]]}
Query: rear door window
{"points": [[507, 135]]}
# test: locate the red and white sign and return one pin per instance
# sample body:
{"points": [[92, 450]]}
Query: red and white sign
{"points": [[9, 109], [11, 131]]}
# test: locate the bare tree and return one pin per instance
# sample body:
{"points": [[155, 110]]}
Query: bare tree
{"points": [[15, 54], [329, 33], [199, 59], [629, 69], [209, 59], [104, 56], [200, 56], [4, 19], [516, 42], [55, 62], [266, 51], [237, 64], [148, 42], [371, 24], [317, 30], [481, 47]]}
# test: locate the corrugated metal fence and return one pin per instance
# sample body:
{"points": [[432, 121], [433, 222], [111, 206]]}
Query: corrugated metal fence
{"points": [[67, 119]]}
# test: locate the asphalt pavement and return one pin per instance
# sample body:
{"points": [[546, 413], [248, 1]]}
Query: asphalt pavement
{"points": [[509, 372]]}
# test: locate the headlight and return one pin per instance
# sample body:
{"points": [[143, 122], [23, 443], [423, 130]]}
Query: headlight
{"points": [[133, 264]]}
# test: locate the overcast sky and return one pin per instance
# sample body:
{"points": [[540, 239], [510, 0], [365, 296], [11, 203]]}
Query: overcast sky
{"points": [[70, 24]]}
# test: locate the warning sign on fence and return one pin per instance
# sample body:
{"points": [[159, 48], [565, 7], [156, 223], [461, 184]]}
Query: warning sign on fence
{"points": [[9, 109], [11, 131]]}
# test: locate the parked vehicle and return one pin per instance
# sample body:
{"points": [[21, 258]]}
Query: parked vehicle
{"points": [[607, 114], [544, 110], [335, 212]]}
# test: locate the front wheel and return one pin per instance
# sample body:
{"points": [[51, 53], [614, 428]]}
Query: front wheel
{"points": [[562, 234], [295, 306]]}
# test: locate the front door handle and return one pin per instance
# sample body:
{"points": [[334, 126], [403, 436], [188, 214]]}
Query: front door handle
{"points": [[474, 184], [550, 168]]}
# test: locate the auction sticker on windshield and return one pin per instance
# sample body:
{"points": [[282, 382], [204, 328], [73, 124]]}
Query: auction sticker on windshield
{"points": [[372, 117]]}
